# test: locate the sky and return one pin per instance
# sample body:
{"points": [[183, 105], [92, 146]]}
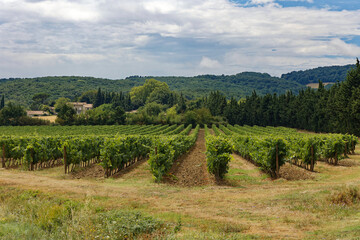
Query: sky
{"points": [[119, 38]]}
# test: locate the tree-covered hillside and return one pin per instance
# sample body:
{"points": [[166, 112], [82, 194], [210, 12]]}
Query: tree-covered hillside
{"points": [[23, 90], [325, 74], [239, 85]]}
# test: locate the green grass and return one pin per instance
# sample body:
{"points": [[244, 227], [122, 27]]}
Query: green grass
{"points": [[350, 232], [34, 215]]}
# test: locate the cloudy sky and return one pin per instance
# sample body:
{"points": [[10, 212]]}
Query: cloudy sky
{"points": [[119, 38]]}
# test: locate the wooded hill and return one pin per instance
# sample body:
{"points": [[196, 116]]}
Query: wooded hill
{"points": [[21, 90], [324, 74], [239, 85]]}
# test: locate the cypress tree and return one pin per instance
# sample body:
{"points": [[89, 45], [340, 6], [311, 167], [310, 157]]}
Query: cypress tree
{"points": [[2, 103], [99, 98], [181, 104]]}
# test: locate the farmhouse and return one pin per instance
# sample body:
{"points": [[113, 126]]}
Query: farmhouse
{"points": [[81, 107], [36, 113]]}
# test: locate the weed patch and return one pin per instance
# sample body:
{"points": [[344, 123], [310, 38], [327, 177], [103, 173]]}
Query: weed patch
{"points": [[346, 196]]}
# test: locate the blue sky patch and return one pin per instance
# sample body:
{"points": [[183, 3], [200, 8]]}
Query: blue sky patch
{"points": [[329, 4]]}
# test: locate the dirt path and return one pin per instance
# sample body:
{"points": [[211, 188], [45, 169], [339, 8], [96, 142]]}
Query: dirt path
{"points": [[190, 169]]}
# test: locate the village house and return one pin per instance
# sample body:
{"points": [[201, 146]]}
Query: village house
{"points": [[36, 113], [81, 107]]}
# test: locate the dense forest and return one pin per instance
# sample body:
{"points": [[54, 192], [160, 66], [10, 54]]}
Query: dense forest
{"points": [[239, 85], [321, 110], [324, 74]]}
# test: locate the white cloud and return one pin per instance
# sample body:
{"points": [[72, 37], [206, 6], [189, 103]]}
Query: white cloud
{"points": [[141, 37], [56, 9], [260, 1], [209, 63], [162, 7]]}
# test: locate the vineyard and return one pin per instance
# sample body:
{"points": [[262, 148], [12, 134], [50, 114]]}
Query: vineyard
{"points": [[113, 147], [223, 182], [270, 147], [117, 147]]}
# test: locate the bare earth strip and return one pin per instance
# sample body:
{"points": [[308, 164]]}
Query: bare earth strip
{"points": [[190, 169]]}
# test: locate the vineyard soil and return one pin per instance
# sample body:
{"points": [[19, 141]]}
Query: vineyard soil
{"points": [[256, 207], [190, 169]]}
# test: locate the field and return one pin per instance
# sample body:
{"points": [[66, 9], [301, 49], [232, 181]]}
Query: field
{"points": [[316, 85], [50, 118], [189, 203]]}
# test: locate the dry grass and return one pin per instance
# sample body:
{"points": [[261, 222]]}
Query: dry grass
{"points": [[346, 196], [49, 118], [251, 206], [316, 85]]}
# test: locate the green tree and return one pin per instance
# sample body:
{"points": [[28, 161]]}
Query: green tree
{"points": [[11, 114], [66, 115], [190, 117], [161, 95], [39, 99], [181, 106], [348, 89], [99, 100], [203, 116], [60, 103], [153, 109], [232, 112], [119, 115], [2, 103], [88, 96], [106, 114], [171, 116], [140, 94], [216, 103]]}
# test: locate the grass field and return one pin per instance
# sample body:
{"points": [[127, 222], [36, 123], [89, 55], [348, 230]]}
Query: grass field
{"points": [[247, 205], [316, 85], [49, 118]]}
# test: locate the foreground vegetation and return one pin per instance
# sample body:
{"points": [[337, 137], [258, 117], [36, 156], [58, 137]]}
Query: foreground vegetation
{"points": [[29, 214]]}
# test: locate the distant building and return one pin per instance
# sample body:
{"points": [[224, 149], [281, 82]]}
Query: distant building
{"points": [[81, 107], [36, 113]]}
